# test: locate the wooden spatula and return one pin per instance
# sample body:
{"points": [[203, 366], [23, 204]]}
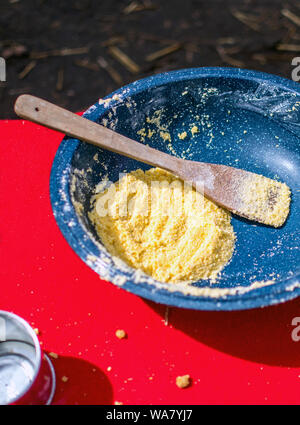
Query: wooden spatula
{"points": [[244, 193]]}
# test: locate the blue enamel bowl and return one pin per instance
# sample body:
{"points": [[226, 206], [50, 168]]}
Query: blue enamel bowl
{"points": [[245, 119]]}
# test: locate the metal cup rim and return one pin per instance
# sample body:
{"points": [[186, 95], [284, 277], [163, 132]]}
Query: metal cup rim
{"points": [[37, 347]]}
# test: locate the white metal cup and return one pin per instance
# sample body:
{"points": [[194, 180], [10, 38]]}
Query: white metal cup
{"points": [[26, 373]]}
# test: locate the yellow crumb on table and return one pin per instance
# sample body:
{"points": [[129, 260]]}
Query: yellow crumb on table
{"points": [[183, 381], [64, 378], [121, 334], [53, 355], [156, 223]]}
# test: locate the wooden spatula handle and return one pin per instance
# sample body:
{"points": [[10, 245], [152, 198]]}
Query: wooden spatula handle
{"points": [[52, 116]]}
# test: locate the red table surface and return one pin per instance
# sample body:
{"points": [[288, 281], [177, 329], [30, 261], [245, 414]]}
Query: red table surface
{"points": [[245, 357]]}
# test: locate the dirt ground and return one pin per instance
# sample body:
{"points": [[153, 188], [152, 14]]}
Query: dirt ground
{"points": [[74, 52]]}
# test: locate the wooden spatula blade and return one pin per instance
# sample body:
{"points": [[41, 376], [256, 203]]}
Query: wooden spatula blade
{"points": [[247, 194]]}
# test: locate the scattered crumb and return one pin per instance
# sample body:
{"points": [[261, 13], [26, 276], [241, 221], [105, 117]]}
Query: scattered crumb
{"points": [[165, 136], [150, 133], [182, 135], [53, 355], [183, 381], [194, 130], [36, 330], [142, 133], [121, 334], [118, 403], [108, 369], [64, 378]]}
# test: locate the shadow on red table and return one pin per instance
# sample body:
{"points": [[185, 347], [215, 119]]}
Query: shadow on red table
{"points": [[79, 382], [259, 335]]}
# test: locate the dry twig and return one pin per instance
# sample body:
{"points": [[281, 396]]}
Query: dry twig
{"points": [[110, 70], [28, 68], [125, 60], [288, 47], [250, 20], [85, 63], [228, 59], [163, 52], [291, 16], [60, 80], [113, 40], [59, 52], [135, 6]]}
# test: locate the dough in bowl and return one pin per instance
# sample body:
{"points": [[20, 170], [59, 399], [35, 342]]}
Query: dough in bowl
{"points": [[155, 222]]}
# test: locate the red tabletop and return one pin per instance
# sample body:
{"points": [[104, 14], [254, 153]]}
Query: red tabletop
{"points": [[245, 357]]}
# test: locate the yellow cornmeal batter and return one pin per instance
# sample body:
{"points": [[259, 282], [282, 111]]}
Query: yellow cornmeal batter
{"points": [[155, 222]]}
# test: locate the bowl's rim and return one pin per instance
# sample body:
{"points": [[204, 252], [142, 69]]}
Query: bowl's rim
{"points": [[83, 244]]}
